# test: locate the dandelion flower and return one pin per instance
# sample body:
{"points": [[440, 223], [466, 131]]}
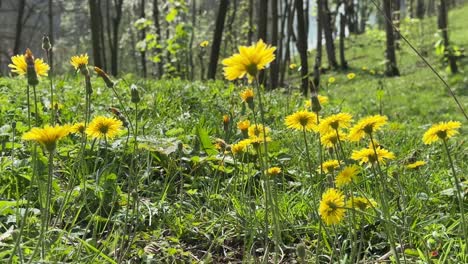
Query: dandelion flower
{"points": [[204, 44], [331, 139], [416, 165], [367, 155], [366, 125], [441, 131], [257, 130], [322, 100], [249, 61], [240, 147], [78, 128], [104, 127], [361, 203], [346, 176], [243, 125], [302, 120], [330, 165], [47, 136], [331, 207], [331, 80], [292, 66], [247, 95], [273, 171], [20, 66], [351, 76], [333, 122], [364, 68], [79, 61]]}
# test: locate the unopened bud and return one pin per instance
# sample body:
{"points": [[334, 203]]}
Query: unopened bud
{"points": [[31, 69], [316, 107], [226, 122], [301, 251], [119, 115], [89, 88], [135, 94], [46, 45], [104, 76]]}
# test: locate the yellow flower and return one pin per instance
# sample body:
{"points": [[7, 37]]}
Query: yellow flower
{"points": [[249, 61], [367, 155], [346, 176], [292, 66], [20, 67], [330, 165], [302, 120], [367, 125], [273, 171], [330, 139], [257, 131], [364, 68], [333, 122], [47, 136], [441, 131], [361, 203], [416, 165], [226, 119], [331, 207], [331, 80], [240, 147], [243, 125], [351, 76], [104, 127], [78, 128], [204, 44], [79, 61], [247, 95], [256, 141], [322, 100]]}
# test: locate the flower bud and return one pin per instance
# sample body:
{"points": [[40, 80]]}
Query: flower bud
{"points": [[135, 94], [46, 45], [316, 107], [104, 76], [31, 69], [301, 251]]}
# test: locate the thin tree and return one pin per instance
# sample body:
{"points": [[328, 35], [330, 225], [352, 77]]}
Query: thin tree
{"points": [[251, 26], [391, 63], [302, 46], [443, 27], [318, 53], [157, 28], [343, 62], [19, 26], [262, 24], [95, 29], [328, 33], [142, 38], [51, 34], [274, 67], [114, 40], [217, 38]]}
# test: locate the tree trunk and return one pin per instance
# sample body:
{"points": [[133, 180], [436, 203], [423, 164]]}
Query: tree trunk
{"points": [[157, 26], [262, 14], [284, 9], [115, 37], [192, 36], [396, 17], [251, 26], [217, 38], [19, 26], [95, 29], [318, 54], [420, 10], [328, 32], [274, 67], [391, 63], [102, 35], [443, 27], [286, 60], [51, 34], [142, 38], [302, 46], [344, 63]]}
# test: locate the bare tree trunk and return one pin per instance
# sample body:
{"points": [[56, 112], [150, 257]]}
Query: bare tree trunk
{"points": [[95, 29], [51, 35], [192, 36], [19, 26], [443, 27], [217, 38], [286, 60], [392, 69], [420, 10], [142, 38], [302, 46], [118, 4], [328, 32], [262, 14], [344, 63], [274, 67], [157, 27], [318, 54], [251, 26], [102, 35], [396, 16], [284, 9]]}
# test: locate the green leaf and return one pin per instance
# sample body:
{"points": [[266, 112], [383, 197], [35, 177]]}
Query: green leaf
{"points": [[172, 15], [205, 141]]}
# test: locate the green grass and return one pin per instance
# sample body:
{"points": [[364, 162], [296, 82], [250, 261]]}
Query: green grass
{"points": [[171, 196]]}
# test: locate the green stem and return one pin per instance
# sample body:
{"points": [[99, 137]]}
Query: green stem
{"points": [[459, 194]]}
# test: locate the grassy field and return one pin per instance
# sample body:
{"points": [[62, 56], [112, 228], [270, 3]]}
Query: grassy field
{"points": [[168, 188]]}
